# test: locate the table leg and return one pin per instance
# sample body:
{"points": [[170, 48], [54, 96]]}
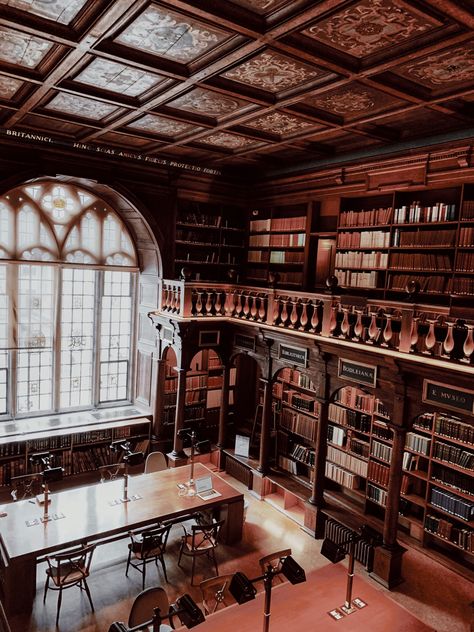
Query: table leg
{"points": [[18, 585]]}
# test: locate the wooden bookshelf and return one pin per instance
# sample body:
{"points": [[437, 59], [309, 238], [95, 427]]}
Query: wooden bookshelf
{"points": [[209, 239]]}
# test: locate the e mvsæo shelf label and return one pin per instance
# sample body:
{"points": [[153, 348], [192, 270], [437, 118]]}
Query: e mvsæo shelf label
{"points": [[294, 355], [357, 372], [448, 396]]}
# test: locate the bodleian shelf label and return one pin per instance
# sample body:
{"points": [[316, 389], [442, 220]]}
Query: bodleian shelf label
{"points": [[448, 396], [246, 342], [294, 355], [357, 372]]}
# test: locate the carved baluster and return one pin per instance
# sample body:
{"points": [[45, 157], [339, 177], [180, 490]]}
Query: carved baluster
{"points": [[414, 334], [358, 327], [468, 346], [284, 312], [304, 315], [276, 310], [246, 309], [448, 344], [314, 318], [229, 303], [262, 314], [387, 332], [345, 325], [168, 298], [430, 338], [293, 314], [218, 304], [333, 320], [373, 329], [199, 304], [173, 299], [177, 304], [238, 306], [253, 309]]}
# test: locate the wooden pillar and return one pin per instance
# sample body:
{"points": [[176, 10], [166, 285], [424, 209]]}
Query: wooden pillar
{"points": [[266, 426], [317, 490], [179, 414], [158, 403], [390, 526], [224, 407]]}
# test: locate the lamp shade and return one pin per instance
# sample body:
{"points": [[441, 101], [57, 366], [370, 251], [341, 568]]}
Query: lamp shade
{"points": [[53, 474], [241, 588], [134, 458], [293, 572], [333, 552], [189, 612]]}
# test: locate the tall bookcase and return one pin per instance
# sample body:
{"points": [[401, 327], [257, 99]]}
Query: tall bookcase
{"points": [[209, 239]]}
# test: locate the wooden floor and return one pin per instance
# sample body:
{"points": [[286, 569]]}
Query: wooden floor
{"points": [[432, 594]]}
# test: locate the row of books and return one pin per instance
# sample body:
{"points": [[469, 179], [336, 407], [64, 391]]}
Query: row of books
{"points": [[303, 454], [194, 412], [464, 538], [203, 257], [425, 238], [286, 464], [420, 261], [91, 459], [418, 443], [461, 286], [288, 240], [410, 461], [298, 423], [195, 237], [13, 449], [278, 223], [352, 418], [453, 454], [347, 461], [356, 279], [452, 504], [361, 260], [293, 278], [364, 239], [372, 217], [258, 256], [358, 446], [284, 256], [338, 533], [12, 468], [94, 436], [465, 261], [431, 284], [353, 397], [415, 213], [466, 236], [381, 451], [376, 495], [194, 396], [214, 381], [382, 431], [296, 377], [450, 426], [468, 209], [300, 400], [200, 219], [424, 421], [454, 479], [336, 435], [342, 476]]}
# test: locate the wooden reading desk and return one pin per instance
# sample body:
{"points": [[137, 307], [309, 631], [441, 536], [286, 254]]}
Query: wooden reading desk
{"points": [[89, 515]]}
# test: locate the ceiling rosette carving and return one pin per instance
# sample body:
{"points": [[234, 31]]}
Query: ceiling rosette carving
{"points": [[206, 102], [161, 125], [443, 68], [80, 106], [279, 123]]}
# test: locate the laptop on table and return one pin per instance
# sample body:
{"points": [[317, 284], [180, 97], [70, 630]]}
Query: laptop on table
{"points": [[204, 488]]}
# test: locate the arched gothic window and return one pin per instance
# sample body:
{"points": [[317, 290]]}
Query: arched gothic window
{"points": [[67, 284]]}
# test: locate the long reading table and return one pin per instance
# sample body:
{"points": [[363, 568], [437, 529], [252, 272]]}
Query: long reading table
{"points": [[94, 513]]}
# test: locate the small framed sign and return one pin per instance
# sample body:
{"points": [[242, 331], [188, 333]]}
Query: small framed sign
{"points": [[242, 446], [357, 372], [448, 396], [294, 355], [209, 338], [246, 342]]}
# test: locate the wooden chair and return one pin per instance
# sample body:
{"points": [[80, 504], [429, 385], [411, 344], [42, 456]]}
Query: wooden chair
{"points": [[144, 604], [25, 486], [155, 462], [274, 560], [148, 546], [202, 540], [215, 593], [69, 569]]}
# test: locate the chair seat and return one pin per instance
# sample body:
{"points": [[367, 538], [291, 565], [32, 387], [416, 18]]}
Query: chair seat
{"points": [[205, 545], [140, 554], [70, 573]]}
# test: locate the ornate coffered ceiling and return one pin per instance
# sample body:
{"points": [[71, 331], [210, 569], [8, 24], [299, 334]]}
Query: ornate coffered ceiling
{"points": [[246, 83]]}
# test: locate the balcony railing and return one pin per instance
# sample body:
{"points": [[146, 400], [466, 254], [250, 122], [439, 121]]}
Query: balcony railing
{"points": [[405, 327]]}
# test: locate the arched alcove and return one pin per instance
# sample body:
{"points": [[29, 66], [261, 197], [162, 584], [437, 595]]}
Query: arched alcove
{"points": [[244, 399]]}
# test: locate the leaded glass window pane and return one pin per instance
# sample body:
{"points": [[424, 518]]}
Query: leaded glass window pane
{"points": [[3, 339], [77, 337]]}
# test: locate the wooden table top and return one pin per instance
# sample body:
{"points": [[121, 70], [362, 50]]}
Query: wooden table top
{"points": [[89, 514]]}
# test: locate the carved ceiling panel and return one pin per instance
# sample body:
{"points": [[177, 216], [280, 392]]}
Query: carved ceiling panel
{"points": [[80, 106], [62, 11], [208, 103], [274, 72], [261, 6], [280, 123], [229, 141], [442, 69], [9, 87], [354, 101], [369, 26], [22, 49], [171, 35], [160, 125], [116, 77]]}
